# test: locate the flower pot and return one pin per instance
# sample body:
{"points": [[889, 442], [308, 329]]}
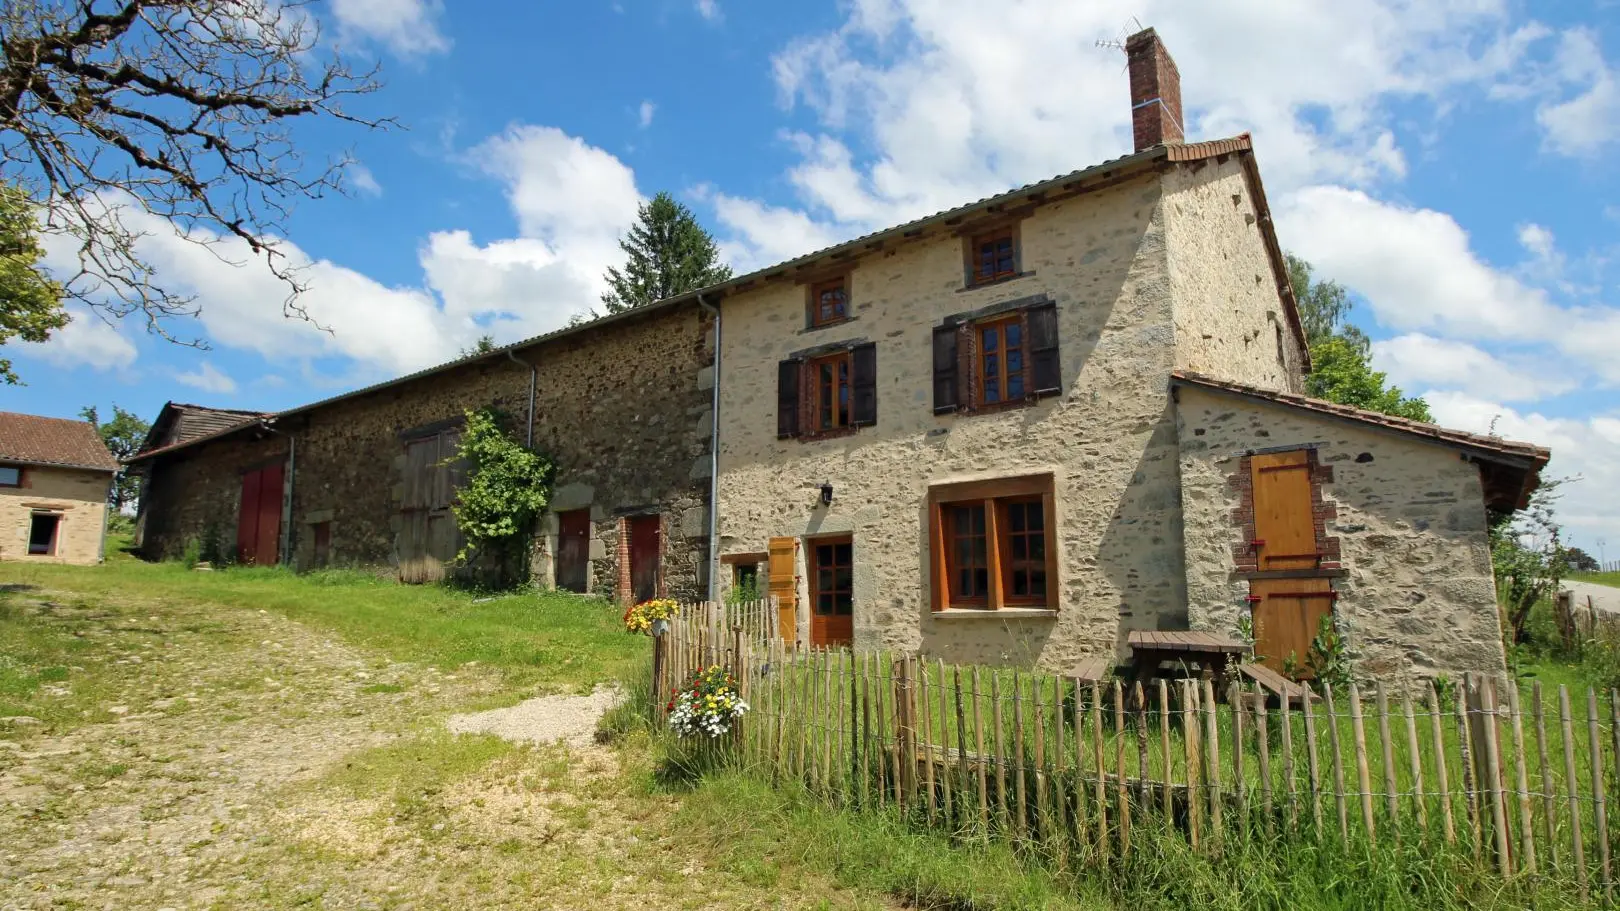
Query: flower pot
{"points": [[659, 627]]}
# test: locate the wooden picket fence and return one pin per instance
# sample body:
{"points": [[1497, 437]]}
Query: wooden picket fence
{"points": [[1517, 778]]}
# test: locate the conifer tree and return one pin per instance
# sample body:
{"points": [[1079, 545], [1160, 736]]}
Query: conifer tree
{"points": [[668, 253]]}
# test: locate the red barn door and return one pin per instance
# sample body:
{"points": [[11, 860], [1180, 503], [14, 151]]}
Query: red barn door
{"points": [[258, 522]]}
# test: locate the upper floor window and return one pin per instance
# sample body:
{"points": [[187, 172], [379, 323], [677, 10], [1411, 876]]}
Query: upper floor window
{"points": [[829, 301], [993, 255], [10, 476], [1000, 359], [830, 379], [827, 391]]}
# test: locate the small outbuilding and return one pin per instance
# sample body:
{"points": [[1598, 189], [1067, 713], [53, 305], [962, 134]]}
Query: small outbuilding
{"points": [[55, 478]]}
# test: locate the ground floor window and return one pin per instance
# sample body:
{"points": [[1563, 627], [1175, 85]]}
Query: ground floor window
{"points": [[992, 545], [42, 529]]}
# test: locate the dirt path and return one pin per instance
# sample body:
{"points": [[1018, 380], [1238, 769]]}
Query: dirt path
{"points": [[237, 759]]}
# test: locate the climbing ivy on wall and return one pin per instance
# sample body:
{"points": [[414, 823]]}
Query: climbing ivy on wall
{"points": [[507, 487]]}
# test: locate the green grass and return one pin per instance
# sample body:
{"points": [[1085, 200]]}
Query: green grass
{"points": [[536, 641], [763, 835], [1610, 579]]}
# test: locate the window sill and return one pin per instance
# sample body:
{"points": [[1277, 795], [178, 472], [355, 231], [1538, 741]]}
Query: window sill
{"points": [[1006, 613], [830, 325], [994, 281]]}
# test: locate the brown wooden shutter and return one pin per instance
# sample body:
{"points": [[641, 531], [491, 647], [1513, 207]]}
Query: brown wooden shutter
{"points": [[787, 397], [863, 385], [1284, 524], [1045, 368], [783, 566], [946, 381], [1287, 616]]}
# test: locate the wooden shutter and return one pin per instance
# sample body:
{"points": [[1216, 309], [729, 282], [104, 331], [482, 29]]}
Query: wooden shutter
{"points": [[787, 397], [1287, 616], [783, 565], [1284, 524], [946, 381], [863, 385], [1045, 369]]}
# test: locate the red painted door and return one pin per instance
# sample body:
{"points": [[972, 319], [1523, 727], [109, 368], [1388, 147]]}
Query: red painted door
{"points": [[644, 557], [573, 549], [258, 523]]}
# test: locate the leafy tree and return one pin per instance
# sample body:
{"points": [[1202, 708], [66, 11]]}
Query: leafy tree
{"points": [[30, 303], [1340, 373], [484, 345], [668, 253], [180, 109], [1580, 561], [1341, 368], [123, 436], [1527, 558]]}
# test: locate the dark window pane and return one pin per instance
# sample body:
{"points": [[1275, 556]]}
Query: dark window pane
{"points": [[1015, 517], [841, 553], [1020, 582], [1015, 386], [1037, 516], [964, 583], [841, 580], [981, 581], [978, 552], [990, 338], [1014, 333], [1015, 359], [1020, 548], [1037, 582], [1037, 547], [978, 518], [992, 390]]}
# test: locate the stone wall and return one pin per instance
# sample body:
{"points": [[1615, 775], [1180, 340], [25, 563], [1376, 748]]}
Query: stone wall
{"points": [[1417, 598], [193, 494], [1108, 439], [621, 411], [1229, 317], [80, 497]]}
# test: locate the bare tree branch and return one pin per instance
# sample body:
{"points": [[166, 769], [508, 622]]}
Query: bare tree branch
{"points": [[183, 109]]}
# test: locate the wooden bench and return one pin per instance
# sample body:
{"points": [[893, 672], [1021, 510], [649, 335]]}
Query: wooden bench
{"points": [[1094, 670], [1288, 693]]}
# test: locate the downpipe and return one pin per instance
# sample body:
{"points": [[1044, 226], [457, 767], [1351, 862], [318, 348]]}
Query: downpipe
{"points": [[714, 459]]}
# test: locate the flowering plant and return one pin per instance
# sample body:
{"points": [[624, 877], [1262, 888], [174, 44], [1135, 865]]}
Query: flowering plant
{"points": [[639, 618], [709, 706]]}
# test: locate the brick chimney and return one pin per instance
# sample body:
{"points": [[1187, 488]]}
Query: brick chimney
{"points": [[1155, 91]]}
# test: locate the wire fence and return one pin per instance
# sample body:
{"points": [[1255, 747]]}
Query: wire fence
{"points": [[1521, 779]]}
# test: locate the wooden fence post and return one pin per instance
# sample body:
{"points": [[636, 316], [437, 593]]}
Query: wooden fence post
{"points": [[1577, 845]]}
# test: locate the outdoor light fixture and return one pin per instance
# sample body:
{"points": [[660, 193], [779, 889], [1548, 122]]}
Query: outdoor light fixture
{"points": [[826, 494]]}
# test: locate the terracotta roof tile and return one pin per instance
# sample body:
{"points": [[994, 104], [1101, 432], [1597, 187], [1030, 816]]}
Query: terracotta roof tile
{"points": [[53, 441]]}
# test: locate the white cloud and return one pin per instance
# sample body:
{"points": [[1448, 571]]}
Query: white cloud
{"points": [[1584, 447], [709, 9], [1417, 362], [362, 180], [644, 115], [87, 340], [409, 28], [759, 235], [1582, 124], [208, 378]]}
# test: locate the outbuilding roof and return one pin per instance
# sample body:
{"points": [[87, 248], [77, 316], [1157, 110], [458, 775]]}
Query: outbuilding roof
{"points": [[1512, 469], [33, 440]]}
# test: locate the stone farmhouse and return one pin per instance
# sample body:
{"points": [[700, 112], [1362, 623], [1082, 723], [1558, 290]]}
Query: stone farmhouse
{"points": [[1011, 432], [55, 479]]}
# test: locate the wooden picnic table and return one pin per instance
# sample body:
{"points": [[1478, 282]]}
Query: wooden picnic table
{"points": [[1208, 653]]}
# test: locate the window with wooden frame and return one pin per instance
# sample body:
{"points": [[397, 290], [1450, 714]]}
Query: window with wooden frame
{"points": [[829, 301], [827, 393], [993, 255], [10, 476], [992, 545], [1008, 357]]}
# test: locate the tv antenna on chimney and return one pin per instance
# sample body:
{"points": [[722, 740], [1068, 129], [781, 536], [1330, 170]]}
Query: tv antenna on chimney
{"points": [[1118, 44]]}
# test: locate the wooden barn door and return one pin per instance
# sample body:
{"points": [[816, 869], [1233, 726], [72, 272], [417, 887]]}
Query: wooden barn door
{"points": [[646, 551], [1287, 611], [782, 563], [428, 537], [573, 549], [258, 518]]}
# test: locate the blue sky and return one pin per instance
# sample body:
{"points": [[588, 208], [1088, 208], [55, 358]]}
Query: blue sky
{"points": [[1449, 160]]}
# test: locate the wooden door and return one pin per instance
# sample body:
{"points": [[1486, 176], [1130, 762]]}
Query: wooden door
{"points": [[258, 519], [573, 549], [1287, 616], [645, 553], [782, 565], [832, 595], [429, 539], [1284, 524]]}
